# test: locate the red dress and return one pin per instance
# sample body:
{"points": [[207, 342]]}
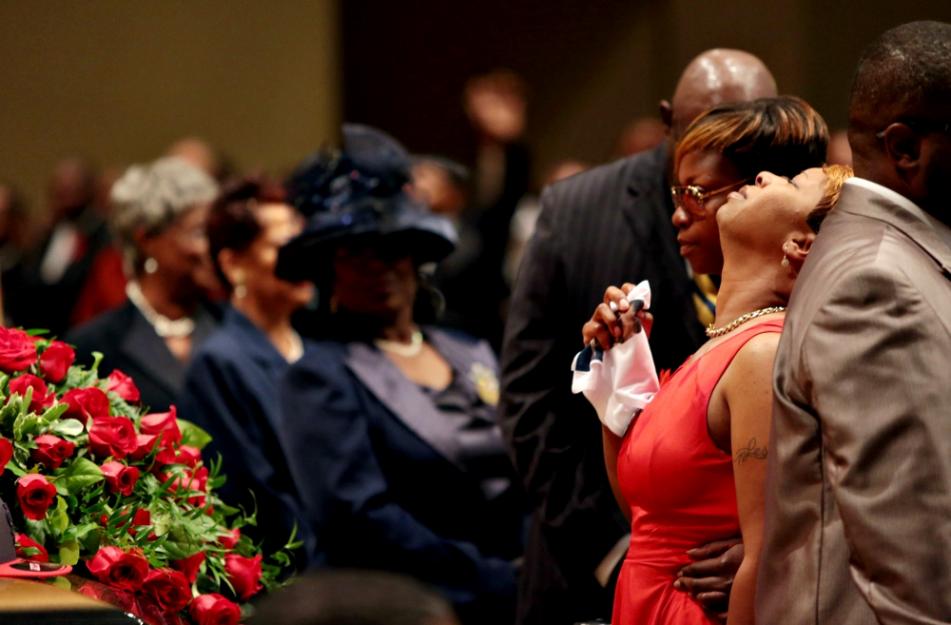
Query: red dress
{"points": [[680, 488]]}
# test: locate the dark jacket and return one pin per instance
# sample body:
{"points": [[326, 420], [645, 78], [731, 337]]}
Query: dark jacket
{"points": [[232, 392], [606, 226], [128, 343], [389, 482]]}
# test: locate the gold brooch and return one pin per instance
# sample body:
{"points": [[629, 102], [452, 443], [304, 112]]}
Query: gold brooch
{"points": [[486, 383]]}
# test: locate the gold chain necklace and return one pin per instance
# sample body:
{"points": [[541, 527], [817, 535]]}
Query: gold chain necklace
{"points": [[733, 325]]}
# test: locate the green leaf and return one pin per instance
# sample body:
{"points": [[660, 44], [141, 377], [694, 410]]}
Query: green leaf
{"points": [[59, 518], [193, 435], [25, 424], [78, 377], [66, 427], [37, 332], [61, 582], [69, 552], [78, 475], [16, 469]]}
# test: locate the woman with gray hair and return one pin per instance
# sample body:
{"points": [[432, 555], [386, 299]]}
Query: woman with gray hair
{"points": [[159, 219]]}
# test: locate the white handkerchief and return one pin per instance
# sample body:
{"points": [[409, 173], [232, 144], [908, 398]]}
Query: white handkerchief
{"points": [[618, 382]]}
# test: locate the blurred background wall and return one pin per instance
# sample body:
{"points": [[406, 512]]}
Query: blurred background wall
{"points": [[268, 82], [118, 81]]}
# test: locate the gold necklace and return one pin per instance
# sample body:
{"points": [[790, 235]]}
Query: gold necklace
{"points": [[733, 325]]}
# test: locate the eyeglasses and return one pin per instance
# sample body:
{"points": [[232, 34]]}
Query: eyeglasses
{"points": [[693, 197], [921, 125]]}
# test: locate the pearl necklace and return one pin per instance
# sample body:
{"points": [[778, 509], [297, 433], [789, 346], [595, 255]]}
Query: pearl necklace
{"points": [[414, 347], [733, 325], [163, 326]]}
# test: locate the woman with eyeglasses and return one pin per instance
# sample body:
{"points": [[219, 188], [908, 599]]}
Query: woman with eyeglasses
{"points": [[690, 468], [159, 213]]}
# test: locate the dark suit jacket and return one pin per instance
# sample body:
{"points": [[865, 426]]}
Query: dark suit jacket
{"points": [[605, 226], [128, 343], [858, 516], [387, 481], [232, 391]]}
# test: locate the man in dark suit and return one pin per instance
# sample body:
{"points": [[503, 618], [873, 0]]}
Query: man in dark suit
{"points": [[602, 227], [859, 482]]}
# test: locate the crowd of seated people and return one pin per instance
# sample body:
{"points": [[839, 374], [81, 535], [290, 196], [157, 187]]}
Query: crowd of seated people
{"points": [[340, 335]]}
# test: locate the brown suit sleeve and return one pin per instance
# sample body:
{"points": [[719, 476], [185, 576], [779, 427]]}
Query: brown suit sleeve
{"points": [[877, 358]]}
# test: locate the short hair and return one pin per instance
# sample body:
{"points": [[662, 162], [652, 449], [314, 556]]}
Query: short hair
{"points": [[782, 135], [232, 222], [150, 197], [904, 67], [351, 597], [836, 175]]}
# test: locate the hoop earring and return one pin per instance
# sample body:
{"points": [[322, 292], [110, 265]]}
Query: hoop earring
{"points": [[151, 265]]}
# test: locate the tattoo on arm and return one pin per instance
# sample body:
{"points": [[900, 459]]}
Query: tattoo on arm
{"points": [[750, 451]]}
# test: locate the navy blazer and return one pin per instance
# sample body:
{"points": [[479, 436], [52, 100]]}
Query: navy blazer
{"points": [[231, 390], [387, 482]]}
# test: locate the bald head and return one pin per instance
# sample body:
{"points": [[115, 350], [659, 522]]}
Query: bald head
{"points": [[715, 77]]}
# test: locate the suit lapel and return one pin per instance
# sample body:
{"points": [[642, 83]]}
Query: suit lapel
{"points": [[644, 193], [403, 398]]}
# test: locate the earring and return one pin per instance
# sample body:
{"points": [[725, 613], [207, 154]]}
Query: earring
{"points": [[239, 289], [785, 261], [150, 265]]}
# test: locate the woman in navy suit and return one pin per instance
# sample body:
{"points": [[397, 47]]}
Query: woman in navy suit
{"points": [[231, 387], [390, 425]]}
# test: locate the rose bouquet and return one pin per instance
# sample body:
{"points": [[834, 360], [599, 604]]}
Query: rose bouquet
{"points": [[95, 480]]}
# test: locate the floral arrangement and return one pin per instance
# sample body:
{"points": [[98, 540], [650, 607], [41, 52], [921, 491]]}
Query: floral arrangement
{"points": [[94, 480]]}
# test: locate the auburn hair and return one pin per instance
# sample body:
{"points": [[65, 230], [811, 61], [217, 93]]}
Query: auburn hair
{"points": [[782, 135]]}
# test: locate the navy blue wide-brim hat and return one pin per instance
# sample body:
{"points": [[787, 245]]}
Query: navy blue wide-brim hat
{"points": [[359, 196]]}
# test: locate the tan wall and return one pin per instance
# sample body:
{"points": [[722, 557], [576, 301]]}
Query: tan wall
{"points": [[118, 80]]}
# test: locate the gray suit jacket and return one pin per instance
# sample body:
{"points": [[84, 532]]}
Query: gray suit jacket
{"points": [[858, 517]]}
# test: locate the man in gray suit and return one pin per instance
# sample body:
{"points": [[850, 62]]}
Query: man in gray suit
{"points": [[859, 492]]}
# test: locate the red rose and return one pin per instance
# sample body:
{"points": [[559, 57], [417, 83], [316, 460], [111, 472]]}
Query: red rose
{"points": [[143, 446], [56, 360], [17, 350], [29, 549], [188, 455], [52, 450], [35, 494], [85, 404], [189, 566], [229, 540], [213, 609], [119, 477], [115, 567], [42, 399], [164, 423], [244, 574], [168, 588], [6, 452], [123, 386], [112, 436]]}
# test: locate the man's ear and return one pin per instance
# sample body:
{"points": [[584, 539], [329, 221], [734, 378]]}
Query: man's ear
{"points": [[902, 145], [796, 249], [666, 114]]}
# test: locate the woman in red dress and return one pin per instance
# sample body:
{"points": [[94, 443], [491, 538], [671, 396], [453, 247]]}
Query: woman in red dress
{"points": [[690, 468]]}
